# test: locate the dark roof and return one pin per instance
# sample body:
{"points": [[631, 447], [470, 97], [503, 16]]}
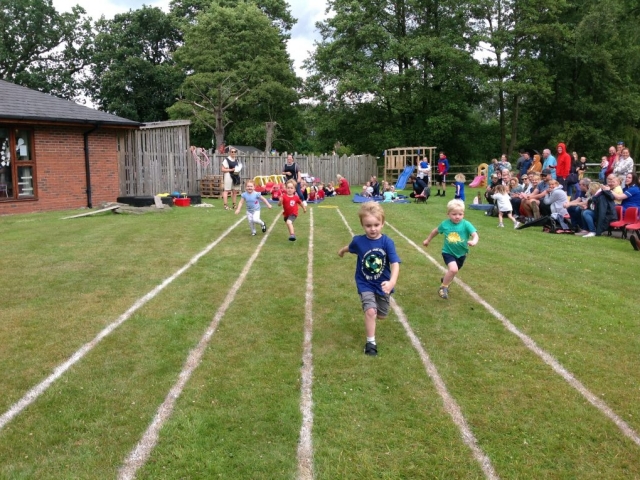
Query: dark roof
{"points": [[21, 103]]}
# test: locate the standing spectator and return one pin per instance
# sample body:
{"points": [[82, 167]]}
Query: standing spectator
{"points": [[536, 164], [292, 172], [563, 165], [375, 186], [459, 185], [441, 176], [624, 165], [504, 162], [611, 161], [525, 165], [582, 167], [424, 172], [550, 162], [231, 180], [493, 167]]}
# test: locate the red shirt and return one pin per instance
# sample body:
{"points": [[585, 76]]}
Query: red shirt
{"points": [[290, 205]]}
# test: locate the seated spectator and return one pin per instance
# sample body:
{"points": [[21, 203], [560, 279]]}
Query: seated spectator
{"points": [[600, 211], [556, 197], [577, 205], [375, 186], [630, 196], [387, 196], [276, 192], [366, 190], [515, 187], [329, 191], [604, 165], [304, 189], [494, 181], [343, 186], [530, 204], [526, 184], [613, 184]]}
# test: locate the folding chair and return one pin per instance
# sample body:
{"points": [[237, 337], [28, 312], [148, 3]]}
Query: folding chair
{"points": [[630, 216]]}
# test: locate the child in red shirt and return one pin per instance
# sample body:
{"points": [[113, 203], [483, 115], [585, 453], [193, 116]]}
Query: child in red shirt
{"points": [[289, 202]]}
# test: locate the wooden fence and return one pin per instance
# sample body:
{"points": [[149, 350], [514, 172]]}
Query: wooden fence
{"points": [[157, 159]]}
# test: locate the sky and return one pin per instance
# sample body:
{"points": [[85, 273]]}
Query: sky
{"points": [[303, 34]]}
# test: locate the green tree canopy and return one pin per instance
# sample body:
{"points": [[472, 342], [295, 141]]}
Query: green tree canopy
{"points": [[43, 49], [240, 75], [133, 72]]}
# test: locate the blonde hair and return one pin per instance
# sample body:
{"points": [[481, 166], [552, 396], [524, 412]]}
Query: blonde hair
{"points": [[594, 187], [371, 208], [500, 189], [455, 205], [554, 183], [460, 177], [249, 182], [290, 182]]}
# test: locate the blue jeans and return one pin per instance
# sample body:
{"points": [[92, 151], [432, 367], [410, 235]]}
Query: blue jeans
{"points": [[587, 218], [575, 213]]}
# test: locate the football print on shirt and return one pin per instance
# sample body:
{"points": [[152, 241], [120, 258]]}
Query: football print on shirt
{"points": [[373, 263]]}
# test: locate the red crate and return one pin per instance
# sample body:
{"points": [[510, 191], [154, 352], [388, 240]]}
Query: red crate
{"points": [[182, 202]]}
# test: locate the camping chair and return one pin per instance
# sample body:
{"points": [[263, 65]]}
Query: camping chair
{"points": [[422, 198], [630, 217]]}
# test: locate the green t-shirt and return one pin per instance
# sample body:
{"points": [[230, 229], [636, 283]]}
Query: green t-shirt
{"points": [[456, 237]]}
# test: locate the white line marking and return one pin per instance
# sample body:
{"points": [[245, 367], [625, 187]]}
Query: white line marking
{"points": [[305, 445], [140, 454], [39, 389], [450, 405], [546, 357]]}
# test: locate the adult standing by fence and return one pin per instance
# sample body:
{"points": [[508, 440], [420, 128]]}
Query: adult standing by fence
{"points": [[292, 172], [231, 179], [441, 176]]}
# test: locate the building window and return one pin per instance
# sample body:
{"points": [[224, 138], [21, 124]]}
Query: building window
{"points": [[17, 164]]}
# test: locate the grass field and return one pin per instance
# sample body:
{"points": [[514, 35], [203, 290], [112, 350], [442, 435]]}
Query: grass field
{"points": [[172, 346]]}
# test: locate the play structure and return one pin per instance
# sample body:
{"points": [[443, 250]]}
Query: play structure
{"points": [[266, 183], [481, 178], [399, 163]]}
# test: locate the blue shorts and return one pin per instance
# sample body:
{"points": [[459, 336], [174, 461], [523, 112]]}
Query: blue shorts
{"points": [[448, 258]]}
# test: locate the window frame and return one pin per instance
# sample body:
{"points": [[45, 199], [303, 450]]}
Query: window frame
{"points": [[16, 164]]}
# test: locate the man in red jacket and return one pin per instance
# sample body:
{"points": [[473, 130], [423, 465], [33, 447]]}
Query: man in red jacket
{"points": [[564, 165]]}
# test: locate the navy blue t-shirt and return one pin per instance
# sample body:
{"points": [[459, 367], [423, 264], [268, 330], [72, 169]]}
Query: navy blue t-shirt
{"points": [[374, 260]]}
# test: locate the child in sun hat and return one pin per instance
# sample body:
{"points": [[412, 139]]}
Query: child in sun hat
{"points": [[377, 269], [459, 235]]}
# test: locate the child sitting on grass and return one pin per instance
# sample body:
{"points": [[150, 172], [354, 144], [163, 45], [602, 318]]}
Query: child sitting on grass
{"points": [[289, 202], [253, 199], [459, 235], [377, 269]]}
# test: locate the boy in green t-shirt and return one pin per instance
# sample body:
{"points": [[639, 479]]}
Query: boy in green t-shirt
{"points": [[459, 235]]}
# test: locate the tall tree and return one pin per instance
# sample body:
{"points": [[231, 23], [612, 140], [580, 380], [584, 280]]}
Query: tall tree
{"points": [[513, 33], [277, 10], [133, 72], [240, 74], [43, 49], [404, 65]]}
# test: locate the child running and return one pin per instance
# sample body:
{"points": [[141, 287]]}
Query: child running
{"points": [[377, 269], [253, 206], [503, 203], [459, 235], [459, 185], [289, 202]]}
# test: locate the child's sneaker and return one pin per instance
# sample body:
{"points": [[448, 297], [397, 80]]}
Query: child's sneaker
{"points": [[371, 349], [292, 238], [516, 225], [253, 234], [501, 225], [443, 292], [264, 227]]}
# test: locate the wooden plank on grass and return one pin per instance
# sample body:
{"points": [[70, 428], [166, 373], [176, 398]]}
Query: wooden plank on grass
{"points": [[112, 207]]}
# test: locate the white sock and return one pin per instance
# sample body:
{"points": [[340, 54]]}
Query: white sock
{"points": [[371, 340]]}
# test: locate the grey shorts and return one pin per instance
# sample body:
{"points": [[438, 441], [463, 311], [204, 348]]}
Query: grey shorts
{"points": [[290, 217], [373, 300]]}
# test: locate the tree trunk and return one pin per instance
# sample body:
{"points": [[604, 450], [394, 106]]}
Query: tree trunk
{"points": [[270, 127], [514, 124]]}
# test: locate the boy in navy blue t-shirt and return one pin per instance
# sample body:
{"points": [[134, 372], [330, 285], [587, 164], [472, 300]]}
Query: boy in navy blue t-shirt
{"points": [[377, 269]]}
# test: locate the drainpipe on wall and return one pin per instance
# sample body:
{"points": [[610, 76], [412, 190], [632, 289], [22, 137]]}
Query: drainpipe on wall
{"points": [[87, 164]]}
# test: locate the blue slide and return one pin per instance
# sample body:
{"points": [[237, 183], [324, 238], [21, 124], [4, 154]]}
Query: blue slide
{"points": [[404, 176]]}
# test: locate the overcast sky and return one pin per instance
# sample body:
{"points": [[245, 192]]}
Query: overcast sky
{"points": [[304, 33]]}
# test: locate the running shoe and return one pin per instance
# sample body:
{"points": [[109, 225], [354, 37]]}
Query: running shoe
{"points": [[371, 349], [443, 292], [264, 227]]}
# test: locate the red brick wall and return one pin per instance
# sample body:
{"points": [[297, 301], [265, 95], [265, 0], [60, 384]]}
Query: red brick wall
{"points": [[61, 173]]}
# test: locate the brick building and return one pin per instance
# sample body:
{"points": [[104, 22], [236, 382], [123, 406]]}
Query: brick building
{"points": [[55, 154]]}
